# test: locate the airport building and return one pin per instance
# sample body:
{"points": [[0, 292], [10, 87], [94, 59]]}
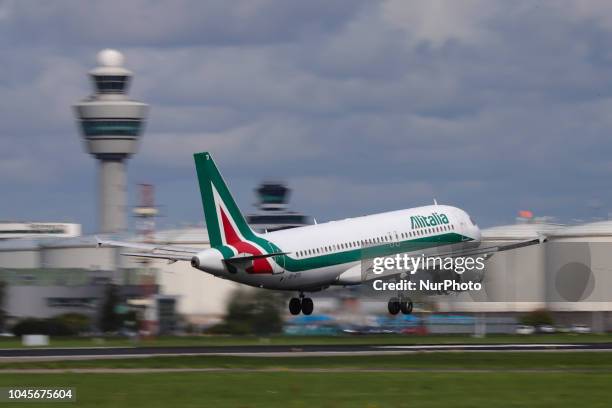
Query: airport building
{"points": [[111, 125], [273, 209], [48, 277], [569, 275], [14, 230]]}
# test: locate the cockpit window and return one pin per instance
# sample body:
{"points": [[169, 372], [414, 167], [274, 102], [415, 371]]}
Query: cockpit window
{"points": [[471, 220]]}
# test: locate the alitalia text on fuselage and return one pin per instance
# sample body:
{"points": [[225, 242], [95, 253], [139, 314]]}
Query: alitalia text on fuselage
{"points": [[432, 220]]}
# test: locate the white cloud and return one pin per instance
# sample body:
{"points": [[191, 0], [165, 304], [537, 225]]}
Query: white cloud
{"points": [[439, 21]]}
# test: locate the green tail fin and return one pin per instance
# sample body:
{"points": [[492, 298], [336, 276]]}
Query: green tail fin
{"points": [[224, 220]]}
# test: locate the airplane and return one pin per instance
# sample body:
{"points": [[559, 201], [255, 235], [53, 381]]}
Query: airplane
{"points": [[314, 257]]}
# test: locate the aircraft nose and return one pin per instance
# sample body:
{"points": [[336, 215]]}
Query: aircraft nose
{"points": [[476, 233]]}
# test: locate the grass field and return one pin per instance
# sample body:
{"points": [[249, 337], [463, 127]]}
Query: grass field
{"points": [[534, 379], [279, 389], [310, 340], [441, 379]]}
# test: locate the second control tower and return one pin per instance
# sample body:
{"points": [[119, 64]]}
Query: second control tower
{"points": [[273, 206], [111, 125]]}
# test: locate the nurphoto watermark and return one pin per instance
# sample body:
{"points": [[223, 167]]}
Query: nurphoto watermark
{"points": [[422, 273]]}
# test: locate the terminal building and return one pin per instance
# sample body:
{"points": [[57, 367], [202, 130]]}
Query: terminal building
{"points": [[570, 275], [14, 230]]}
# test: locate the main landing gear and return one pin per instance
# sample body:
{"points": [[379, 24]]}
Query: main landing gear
{"points": [[301, 304], [396, 305]]}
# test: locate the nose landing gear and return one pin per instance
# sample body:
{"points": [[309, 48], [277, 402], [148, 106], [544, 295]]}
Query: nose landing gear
{"points": [[301, 304]]}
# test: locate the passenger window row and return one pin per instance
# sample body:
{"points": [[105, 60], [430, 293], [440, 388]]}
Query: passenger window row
{"points": [[427, 231], [377, 240]]}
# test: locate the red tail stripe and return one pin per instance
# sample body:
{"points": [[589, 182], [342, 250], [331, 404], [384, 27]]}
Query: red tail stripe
{"points": [[232, 238]]}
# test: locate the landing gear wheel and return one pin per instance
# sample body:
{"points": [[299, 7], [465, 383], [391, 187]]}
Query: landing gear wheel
{"points": [[295, 306], [406, 307], [393, 306], [307, 306]]}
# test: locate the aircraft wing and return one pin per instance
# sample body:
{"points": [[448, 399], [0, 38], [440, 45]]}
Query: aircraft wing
{"points": [[169, 252], [147, 247], [173, 253], [488, 251], [170, 257], [363, 272]]}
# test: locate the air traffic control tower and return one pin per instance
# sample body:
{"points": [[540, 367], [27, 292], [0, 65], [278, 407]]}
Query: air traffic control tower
{"points": [[273, 209], [111, 125]]}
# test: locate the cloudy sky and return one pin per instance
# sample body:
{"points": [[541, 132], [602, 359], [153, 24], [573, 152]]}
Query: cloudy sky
{"points": [[362, 106]]}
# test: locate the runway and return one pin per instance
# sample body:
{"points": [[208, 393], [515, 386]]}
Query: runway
{"points": [[82, 353]]}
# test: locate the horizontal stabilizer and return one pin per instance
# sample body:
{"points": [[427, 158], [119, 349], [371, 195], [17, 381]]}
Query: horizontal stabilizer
{"points": [[249, 257]]}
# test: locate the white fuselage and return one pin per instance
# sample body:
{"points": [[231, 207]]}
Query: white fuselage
{"points": [[317, 255]]}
